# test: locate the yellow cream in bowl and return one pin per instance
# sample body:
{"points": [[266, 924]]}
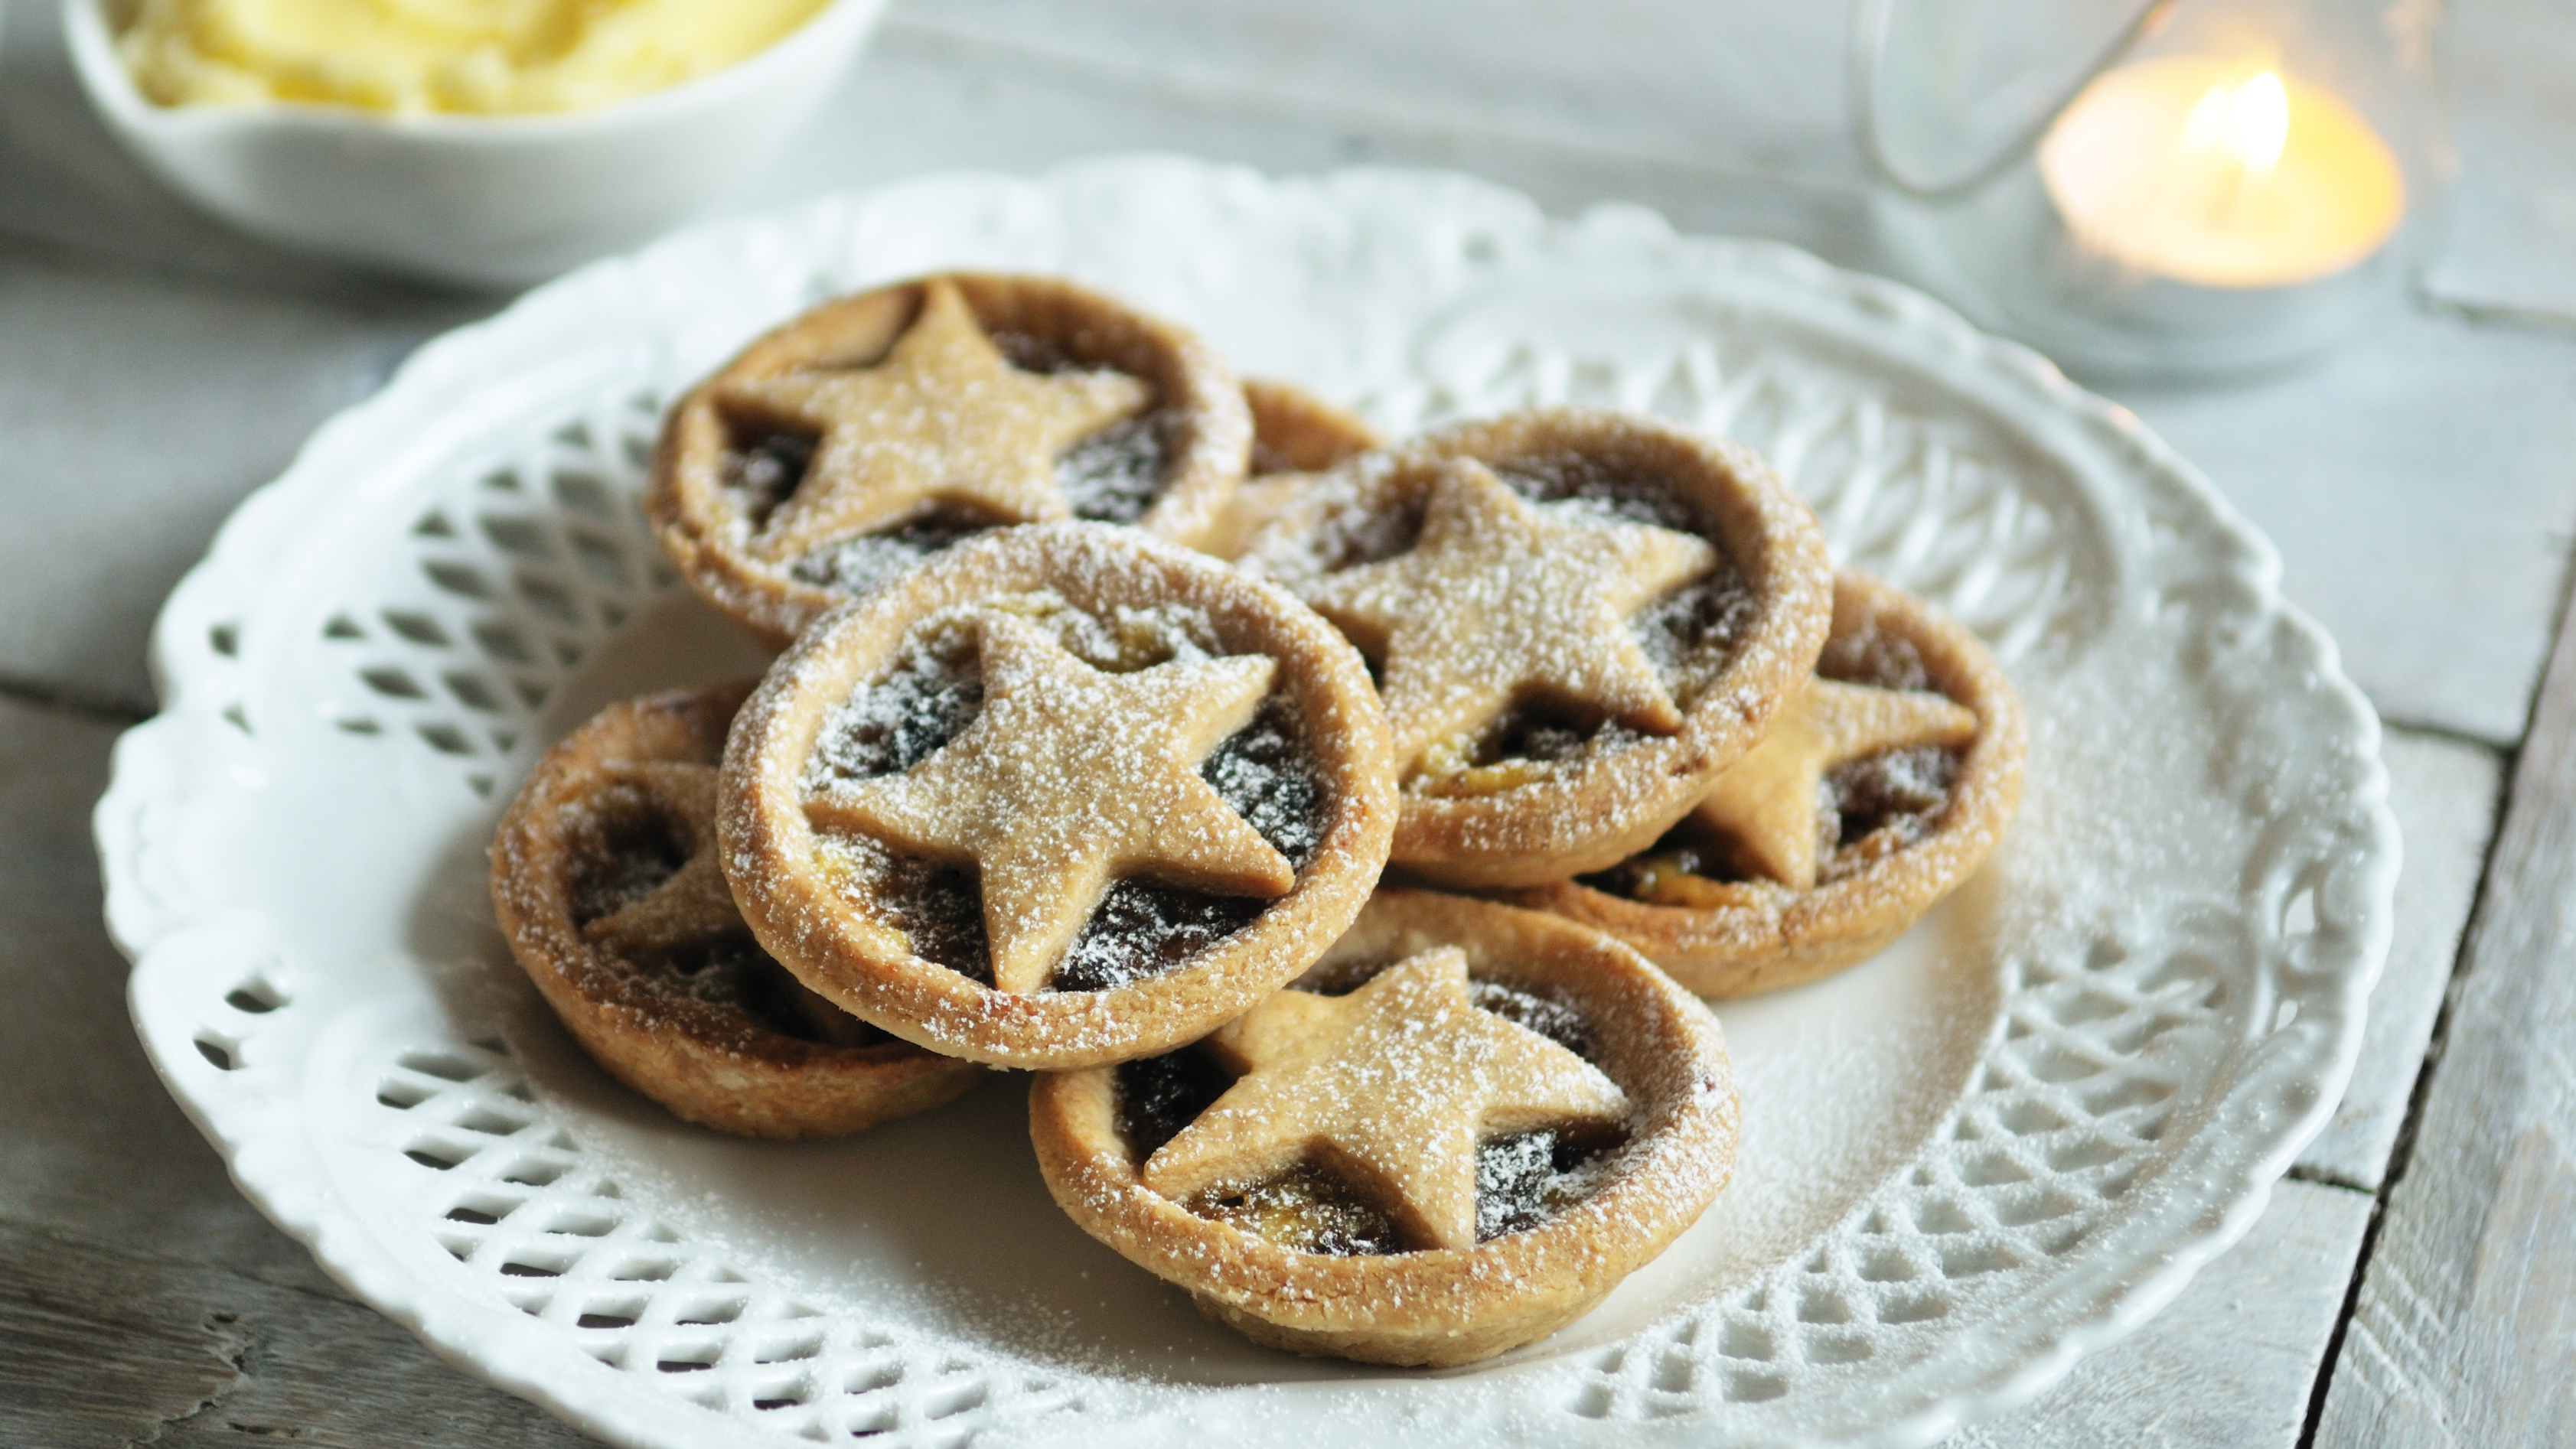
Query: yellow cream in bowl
{"points": [[475, 57]]}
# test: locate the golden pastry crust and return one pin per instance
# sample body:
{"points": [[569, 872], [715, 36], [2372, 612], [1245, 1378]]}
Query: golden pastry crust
{"points": [[715, 535], [816, 898], [706, 1055], [1530, 822], [1439, 1306], [1295, 435], [1758, 935]]}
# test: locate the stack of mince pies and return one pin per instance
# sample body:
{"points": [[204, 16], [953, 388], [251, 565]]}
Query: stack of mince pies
{"points": [[1344, 833]]}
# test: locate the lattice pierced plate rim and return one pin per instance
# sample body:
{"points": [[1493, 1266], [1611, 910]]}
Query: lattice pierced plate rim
{"points": [[211, 994]]}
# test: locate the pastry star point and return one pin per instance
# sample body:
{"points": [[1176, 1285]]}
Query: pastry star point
{"points": [[1501, 600], [1052, 806], [944, 415], [1394, 1083], [1766, 802], [693, 903]]}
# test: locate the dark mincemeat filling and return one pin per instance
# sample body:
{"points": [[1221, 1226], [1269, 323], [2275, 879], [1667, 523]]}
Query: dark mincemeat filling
{"points": [[925, 700], [764, 467], [1900, 795], [1902, 792], [1688, 635], [1141, 928], [1525, 1179], [1144, 928], [1556, 1020], [635, 850], [1874, 656], [1522, 1180], [1113, 476], [1029, 352], [856, 565], [1575, 478], [940, 909], [1563, 478], [630, 849], [1266, 774], [1691, 633]]}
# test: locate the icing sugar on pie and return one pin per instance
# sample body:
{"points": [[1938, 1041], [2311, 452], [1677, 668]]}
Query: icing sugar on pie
{"points": [[1578, 619], [1887, 784], [1463, 1127], [605, 879], [1058, 797], [1295, 436], [877, 429]]}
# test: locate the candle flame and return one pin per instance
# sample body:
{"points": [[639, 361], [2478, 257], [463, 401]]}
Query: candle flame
{"points": [[2246, 121]]}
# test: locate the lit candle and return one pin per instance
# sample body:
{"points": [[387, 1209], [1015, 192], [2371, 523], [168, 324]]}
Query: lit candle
{"points": [[2221, 174]]}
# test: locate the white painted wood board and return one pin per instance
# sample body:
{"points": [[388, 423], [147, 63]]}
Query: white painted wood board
{"points": [[138, 410], [2513, 231], [2464, 1331], [2231, 1362], [2421, 486], [2445, 796]]}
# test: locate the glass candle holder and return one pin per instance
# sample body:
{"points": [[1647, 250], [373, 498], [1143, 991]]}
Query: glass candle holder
{"points": [[2179, 188]]}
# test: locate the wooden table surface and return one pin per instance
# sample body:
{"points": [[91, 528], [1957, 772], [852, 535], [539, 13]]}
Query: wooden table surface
{"points": [[2414, 1281]]}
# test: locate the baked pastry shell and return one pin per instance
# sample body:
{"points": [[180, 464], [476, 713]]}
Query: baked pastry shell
{"points": [[706, 536], [1615, 802], [1295, 435], [1445, 1306], [708, 1065], [1783, 937], [770, 848]]}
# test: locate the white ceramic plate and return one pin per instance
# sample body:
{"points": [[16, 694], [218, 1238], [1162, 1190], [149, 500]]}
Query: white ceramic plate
{"points": [[2003, 1143]]}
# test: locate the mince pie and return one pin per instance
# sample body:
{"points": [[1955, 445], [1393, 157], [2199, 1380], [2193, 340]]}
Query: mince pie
{"points": [[1457, 1133], [1295, 435], [1057, 798], [1884, 786], [605, 879], [1577, 618], [877, 429]]}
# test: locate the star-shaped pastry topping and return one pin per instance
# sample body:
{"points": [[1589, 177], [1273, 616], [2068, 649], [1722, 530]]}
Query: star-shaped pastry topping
{"points": [[1501, 601], [1069, 779], [943, 416], [693, 907], [1766, 802], [1389, 1088]]}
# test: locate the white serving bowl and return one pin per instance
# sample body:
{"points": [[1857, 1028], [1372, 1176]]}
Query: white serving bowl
{"points": [[484, 200]]}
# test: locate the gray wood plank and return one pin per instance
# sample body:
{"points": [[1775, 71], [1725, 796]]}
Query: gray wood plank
{"points": [[112, 1348], [2465, 1329], [2513, 229], [1752, 89], [2445, 795], [139, 409], [2419, 487], [2232, 1361], [83, 1104], [141, 1298]]}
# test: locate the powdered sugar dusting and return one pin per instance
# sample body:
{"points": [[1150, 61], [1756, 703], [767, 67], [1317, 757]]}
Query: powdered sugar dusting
{"points": [[1116, 474], [1572, 711], [933, 689]]}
